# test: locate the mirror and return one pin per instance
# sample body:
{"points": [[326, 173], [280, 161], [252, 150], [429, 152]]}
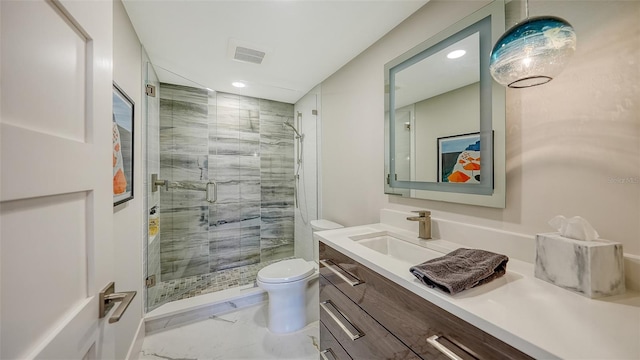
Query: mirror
{"points": [[445, 137]]}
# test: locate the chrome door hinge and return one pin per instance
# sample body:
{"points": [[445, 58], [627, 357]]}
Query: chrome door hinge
{"points": [[389, 178], [151, 90], [151, 281]]}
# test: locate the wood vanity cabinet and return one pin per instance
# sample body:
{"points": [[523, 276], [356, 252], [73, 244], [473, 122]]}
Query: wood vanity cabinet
{"points": [[367, 316]]}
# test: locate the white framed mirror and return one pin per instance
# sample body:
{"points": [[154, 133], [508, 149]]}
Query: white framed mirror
{"points": [[445, 116]]}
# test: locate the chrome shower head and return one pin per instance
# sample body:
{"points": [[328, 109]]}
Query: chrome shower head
{"points": [[287, 123]]}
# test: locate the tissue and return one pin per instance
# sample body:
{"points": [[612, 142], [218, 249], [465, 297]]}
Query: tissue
{"points": [[575, 228]]}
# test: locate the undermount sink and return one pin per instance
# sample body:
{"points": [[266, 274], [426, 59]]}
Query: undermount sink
{"points": [[394, 247]]}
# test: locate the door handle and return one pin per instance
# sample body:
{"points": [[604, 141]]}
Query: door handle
{"points": [[108, 297]]}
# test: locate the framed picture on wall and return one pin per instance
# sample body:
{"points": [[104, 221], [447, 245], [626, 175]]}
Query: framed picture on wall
{"points": [[459, 158], [122, 146]]}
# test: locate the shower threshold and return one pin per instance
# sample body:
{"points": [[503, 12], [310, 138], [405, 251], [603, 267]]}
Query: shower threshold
{"points": [[195, 294], [189, 310]]}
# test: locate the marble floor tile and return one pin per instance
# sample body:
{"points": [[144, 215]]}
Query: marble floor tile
{"points": [[242, 334]]}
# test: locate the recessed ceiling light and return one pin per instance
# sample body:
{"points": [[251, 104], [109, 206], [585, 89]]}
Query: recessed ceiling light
{"points": [[456, 54], [238, 84]]}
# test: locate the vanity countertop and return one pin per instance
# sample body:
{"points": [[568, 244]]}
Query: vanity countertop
{"points": [[538, 318]]}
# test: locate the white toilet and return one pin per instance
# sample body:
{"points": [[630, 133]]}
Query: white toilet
{"points": [[286, 283]]}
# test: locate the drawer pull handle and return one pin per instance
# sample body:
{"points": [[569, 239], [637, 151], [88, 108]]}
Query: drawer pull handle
{"points": [[324, 353], [339, 274], [433, 340], [326, 304]]}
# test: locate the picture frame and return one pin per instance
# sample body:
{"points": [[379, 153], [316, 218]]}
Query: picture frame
{"points": [[459, 158], [122, 132]]}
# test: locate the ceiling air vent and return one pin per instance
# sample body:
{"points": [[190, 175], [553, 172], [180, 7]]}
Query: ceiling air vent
{"points": [[248, 55]]}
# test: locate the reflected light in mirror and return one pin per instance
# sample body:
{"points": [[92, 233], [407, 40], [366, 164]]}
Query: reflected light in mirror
{"points": [[435, 75], [456, 54]]}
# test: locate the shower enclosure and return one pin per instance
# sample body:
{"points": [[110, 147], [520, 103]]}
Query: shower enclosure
{"points": [[221, 185]]}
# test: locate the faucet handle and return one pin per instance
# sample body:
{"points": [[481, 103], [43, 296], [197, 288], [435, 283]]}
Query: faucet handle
{"points": [[423, 213]]}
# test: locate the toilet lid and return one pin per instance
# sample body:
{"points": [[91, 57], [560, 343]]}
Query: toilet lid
{"points": [[322, 224], [285, 271]]}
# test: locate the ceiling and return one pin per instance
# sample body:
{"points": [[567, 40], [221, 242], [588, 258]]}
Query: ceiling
{"points": [[190, 42], [437, 74]]}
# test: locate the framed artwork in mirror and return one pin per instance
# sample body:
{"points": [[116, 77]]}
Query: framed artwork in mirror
{"points": [[459, 158], [122, 133]]}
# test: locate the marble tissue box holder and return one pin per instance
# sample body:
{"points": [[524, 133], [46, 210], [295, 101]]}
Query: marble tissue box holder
{"points": [[591, 268]]}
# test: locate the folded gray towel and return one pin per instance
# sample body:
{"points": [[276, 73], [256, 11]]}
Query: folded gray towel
{"points": [[461, 269]]}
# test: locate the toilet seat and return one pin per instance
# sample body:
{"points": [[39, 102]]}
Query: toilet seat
{"points": [[285, 271]]}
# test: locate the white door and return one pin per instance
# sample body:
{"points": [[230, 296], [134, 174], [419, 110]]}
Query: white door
{"points": [[56, 247]]}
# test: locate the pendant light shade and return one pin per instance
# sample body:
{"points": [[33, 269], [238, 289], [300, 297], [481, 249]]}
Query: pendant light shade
{"points": [[532, 52]]}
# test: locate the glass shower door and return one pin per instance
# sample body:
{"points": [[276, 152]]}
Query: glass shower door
{"points": [[215, 236]]}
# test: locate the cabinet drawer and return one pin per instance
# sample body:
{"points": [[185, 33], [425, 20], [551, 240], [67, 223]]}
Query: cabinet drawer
{"points": [[358, 333], [330, 347], [413, 319], [342, 271]]}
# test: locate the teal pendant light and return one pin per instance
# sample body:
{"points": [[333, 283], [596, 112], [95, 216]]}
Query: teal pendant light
{"points": [[533, 51]]}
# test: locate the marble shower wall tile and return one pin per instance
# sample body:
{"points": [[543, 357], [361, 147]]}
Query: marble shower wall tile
{"points": [[189, 115], [249, 127], [182, 201], [190, 140], [185, 246], [249, 114], [227, 125], [184, 167], [184, 119], [184, 93], [271, 107], [250, 179], [240, 143], [224, 216], [250, 214], [276, 168], [184, 221], [183, 268], [184, 254]]}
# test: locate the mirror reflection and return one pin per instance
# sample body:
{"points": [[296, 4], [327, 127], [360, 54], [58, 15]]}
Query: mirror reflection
{"points": [[444, 116]]}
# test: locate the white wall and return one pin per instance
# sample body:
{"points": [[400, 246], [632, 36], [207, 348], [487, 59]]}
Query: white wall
{"points": [[127, 218], [404, 142], [442, 116], [353, 117], [572, 145]]}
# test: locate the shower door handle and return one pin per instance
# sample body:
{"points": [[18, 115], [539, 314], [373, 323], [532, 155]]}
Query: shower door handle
{"points": [[213, 198]]}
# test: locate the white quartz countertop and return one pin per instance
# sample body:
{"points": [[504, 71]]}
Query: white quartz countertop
{"points": [[538, 318]]}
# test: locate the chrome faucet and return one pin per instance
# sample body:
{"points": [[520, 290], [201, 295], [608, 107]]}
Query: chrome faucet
{"points": [[424, 223]]}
